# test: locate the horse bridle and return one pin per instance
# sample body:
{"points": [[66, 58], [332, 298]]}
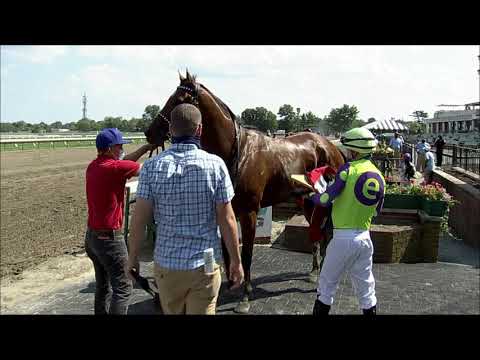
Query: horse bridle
{"points": [[233, 168], [193, 92]]}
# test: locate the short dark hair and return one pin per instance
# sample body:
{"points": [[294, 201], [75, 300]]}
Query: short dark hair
{"points": [[185, 119]]}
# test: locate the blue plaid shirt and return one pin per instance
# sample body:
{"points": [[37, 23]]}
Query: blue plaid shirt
{"points": [[185, 184]]}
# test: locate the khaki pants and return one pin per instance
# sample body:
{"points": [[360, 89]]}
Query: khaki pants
{"points": [[396, 155], [420, 162], [190, 292]]}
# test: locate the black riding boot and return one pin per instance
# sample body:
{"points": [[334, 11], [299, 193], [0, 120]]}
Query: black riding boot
{"points": [[320, 308], [370, 312]]}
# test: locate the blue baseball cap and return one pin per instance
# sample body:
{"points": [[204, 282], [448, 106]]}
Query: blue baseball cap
{"points": [[109, 137]]}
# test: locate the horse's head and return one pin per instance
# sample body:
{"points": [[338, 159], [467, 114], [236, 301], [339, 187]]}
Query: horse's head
{"points": [[186, 92]]}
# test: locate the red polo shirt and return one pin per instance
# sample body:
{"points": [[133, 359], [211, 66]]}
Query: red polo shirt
{"points": [[105, 186]]}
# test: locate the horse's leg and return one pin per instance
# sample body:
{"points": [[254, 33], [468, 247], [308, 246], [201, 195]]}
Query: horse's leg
{"points": [[313, 276], [226, 262], [248, 223]]}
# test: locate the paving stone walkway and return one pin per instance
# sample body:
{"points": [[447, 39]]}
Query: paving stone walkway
{"points": [[281, 286]]}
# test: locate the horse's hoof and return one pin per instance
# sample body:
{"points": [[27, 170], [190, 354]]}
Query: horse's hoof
{"points": [[243, 307]]}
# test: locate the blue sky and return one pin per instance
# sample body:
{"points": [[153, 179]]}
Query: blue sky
{"points": [[46, 83]]}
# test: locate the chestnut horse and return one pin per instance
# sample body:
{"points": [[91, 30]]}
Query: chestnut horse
{"points": [[260, 166]]}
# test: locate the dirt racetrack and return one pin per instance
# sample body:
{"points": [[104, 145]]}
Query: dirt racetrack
{"points": [[43, 206]]}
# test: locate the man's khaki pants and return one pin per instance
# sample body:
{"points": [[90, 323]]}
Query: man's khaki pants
{"points": [[396, 156], [421, 162], [190, 292]]}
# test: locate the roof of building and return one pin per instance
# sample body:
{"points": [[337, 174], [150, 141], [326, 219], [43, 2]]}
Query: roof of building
{"points": [[385, 125]]}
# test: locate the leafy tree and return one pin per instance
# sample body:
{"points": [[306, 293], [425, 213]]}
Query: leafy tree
{"points": [[112, 122], [100, 125], [310, 120], [56, 125], [260, 117], [7, 127], [124, 125], [40, 128], [83, 125], [36, 129], [150, 113], [288, 118], [70, 126], [133, 124], [416, 127], [323, 126], [22, 126], [420, 115], [341, 119], [358, 123]]}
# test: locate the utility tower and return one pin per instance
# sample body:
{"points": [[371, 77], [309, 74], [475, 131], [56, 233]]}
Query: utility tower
{"points": [[84, 101]]}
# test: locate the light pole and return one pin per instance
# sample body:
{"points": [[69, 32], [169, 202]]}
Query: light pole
{"points": [[298, 118], [478, 110]]}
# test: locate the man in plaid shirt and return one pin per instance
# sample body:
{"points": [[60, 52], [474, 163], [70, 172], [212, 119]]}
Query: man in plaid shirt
{"points": [[189, 192]]}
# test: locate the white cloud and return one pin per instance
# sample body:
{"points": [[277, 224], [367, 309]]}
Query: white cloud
{"points": [[39, 54], [383, 81]]}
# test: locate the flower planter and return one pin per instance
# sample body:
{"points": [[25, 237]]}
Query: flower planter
{"points": [[434, 207], [401, 201]]}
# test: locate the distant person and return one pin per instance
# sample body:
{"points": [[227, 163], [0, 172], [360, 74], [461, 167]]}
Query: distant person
{"points": [[439, 144], [408, 167], [396, 143], [429, 167], [104, 242], [422, 148]]}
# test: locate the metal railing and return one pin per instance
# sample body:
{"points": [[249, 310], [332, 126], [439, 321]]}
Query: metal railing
{"points": [[463, 157], [52, 143], [467, 158]]}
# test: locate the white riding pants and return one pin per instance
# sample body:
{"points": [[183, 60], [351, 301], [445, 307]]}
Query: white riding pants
{"points": [[349, 251]]}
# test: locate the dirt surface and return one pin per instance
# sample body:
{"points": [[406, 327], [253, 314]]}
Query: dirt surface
{"points": [[43, 208], [28, 292]]}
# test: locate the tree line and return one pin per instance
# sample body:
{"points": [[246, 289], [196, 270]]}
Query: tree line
{"points": [[287, 118], [131, 125], [292, 119]]}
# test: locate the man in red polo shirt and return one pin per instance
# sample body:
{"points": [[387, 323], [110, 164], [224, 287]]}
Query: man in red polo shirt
{"points": [[104, 242]]}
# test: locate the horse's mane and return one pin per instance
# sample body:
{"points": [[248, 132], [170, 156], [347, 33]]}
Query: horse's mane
{"points": [[221, 103]]}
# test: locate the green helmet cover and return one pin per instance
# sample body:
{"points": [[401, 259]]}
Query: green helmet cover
{"points": [[360, 140]]}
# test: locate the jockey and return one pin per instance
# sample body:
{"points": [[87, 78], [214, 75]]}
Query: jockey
{"points": [[356, 196]]}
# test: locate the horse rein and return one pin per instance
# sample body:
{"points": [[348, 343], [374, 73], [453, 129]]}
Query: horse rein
{"points": [[163, 140]]}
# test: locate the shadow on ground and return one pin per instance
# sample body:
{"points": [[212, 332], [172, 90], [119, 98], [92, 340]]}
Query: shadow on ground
{"points": [[232, 297]]}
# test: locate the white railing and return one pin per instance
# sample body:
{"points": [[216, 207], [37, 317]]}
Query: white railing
{"points": [[42, 139]]}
